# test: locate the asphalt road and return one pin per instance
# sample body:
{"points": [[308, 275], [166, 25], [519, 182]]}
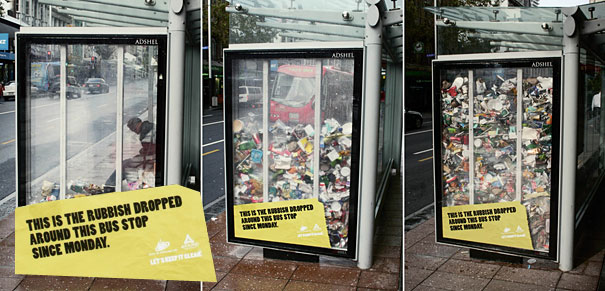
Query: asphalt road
{"points": [[213, 181], [7, 148], [89, 119], [419, 167]]}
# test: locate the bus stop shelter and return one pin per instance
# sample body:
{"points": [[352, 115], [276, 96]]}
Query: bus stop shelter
{"points": [[576, 35]]}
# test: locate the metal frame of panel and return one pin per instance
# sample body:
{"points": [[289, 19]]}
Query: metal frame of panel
{"points": [[471, 62], [64, 36], [303, 51]]}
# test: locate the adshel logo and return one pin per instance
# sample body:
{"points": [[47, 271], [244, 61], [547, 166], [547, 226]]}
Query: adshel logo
{"points": [[541, 64], [143, 41], [342, 55]]}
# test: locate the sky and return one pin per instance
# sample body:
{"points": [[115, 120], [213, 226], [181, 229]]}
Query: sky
{"points": [[561, 3]]}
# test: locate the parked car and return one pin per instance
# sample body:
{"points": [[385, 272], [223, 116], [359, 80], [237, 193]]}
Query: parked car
{"points": [[73, 89], [96, 85], [10, 90], [413, 119], [249, 94]]}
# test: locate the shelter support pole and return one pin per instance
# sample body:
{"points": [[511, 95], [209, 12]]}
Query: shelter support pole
{"points": [[571, 53], [369, 152], [177, 17]]}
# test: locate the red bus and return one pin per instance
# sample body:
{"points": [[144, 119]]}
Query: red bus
{"points": [[293, 95]]}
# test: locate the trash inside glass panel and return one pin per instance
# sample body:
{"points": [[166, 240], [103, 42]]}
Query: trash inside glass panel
{"points": [[336, 139], [454, 103], [292, 128], [537, 152], [43, 124], [495, 135], [248, 155]]}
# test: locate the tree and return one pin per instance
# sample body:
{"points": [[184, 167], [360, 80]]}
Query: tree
{"points": [[245, 30], [219, 22], [104, 52]]}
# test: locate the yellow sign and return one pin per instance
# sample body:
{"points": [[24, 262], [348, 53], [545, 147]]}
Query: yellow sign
{"points": [[157, 233], [299, 222], [503, 224]]}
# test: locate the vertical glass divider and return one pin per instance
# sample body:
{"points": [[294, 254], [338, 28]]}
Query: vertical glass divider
{"points": [[317, 125], [266, 104], [119, 118], [150, 84], [519, 130], [471, 138], [63, 124]]}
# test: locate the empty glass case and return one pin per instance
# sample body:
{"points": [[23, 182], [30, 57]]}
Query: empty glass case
{"points": [[90, 111]]}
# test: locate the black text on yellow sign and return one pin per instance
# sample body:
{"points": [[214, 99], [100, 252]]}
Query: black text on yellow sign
{"points": [[300, 222], [502, 224], [156, 233]]}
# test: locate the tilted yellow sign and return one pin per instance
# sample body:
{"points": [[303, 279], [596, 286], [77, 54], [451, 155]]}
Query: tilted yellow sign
{"points": [[502, 224], [158, 233], [300, 222]]}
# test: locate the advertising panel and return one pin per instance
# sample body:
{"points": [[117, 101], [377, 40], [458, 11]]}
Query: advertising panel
{"points": [[496, 149], [91, 111], [292, 146]]}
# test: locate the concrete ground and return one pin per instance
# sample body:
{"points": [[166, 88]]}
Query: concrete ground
{"points": [[244, 267]]}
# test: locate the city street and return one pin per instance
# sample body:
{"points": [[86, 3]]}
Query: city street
{"points": [[7, 148], [419, 167], [90, 119], [213, 156]]}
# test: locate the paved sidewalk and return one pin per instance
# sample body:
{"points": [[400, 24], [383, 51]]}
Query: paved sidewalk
{"points": [[431, 266], [242, 267]]}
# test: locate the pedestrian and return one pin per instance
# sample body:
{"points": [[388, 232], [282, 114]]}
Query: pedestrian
{"points": [[139, 171]]}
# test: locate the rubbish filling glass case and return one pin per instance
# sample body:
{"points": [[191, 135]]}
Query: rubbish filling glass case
{"points": [[292, 123], [496, 139]]}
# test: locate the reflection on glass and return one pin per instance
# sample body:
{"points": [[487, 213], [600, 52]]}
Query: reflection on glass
{"points": [[139, 118], [495, 135], [292, 130], [42, 158], [284, 163], [510, 141], [91, 120], [455, 132], [335, 147], [537, 152], [248, 154]]}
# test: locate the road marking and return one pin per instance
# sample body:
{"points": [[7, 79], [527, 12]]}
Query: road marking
{"points": [[52, 120], [45, 105], [419, 132], [421, 152], [211, 152], [425, 159], [7, 198], [103, 105], [7, 112], [9, 141], [214, 142], [208, 115], [213, 123]]}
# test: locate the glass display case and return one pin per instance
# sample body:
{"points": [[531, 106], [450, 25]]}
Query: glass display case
{"points": [[292, 123], [496, 140], [90, 111]]}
